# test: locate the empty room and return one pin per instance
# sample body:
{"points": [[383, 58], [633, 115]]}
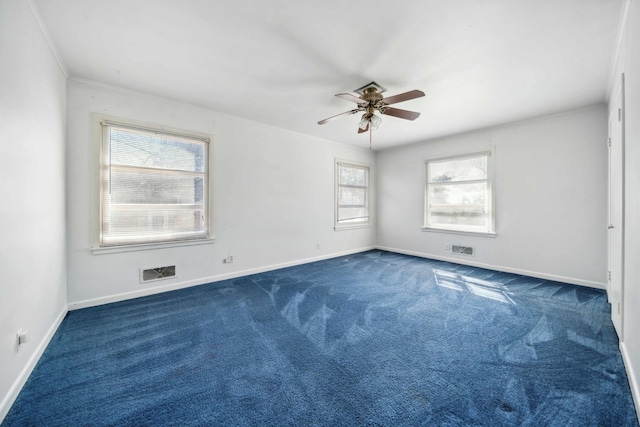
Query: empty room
{"points": [[408, 213]]}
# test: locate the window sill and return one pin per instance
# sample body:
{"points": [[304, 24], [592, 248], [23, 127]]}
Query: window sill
{"points": [[98, 250], [351, 227], [466, 233]]}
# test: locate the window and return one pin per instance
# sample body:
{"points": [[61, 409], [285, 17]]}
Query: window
{"points": [[153, 187], [352, 195], [459, 194]]}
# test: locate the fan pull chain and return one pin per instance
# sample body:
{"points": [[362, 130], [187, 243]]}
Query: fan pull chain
{"points": [[370, 131]]}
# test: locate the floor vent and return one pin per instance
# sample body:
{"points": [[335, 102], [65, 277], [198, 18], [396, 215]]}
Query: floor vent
{"points": [[158, 273], [462, 250]]}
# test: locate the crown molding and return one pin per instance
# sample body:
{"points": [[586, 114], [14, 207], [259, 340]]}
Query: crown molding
{"points": [[43, 29]]}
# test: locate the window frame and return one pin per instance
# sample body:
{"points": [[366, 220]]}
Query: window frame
{"points": [[102, 168], [490, 180], [337, 225]]}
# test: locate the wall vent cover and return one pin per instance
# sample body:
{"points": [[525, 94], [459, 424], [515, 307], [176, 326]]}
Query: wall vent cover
{"points": [[462, 250], [157, 273]]}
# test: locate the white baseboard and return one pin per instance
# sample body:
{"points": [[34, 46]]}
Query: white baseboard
{"points": [[12, 395], [468, 262], [201, 281], [634, 381]]}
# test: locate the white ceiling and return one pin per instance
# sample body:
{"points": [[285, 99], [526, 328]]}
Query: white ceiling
{"points": [[280, 62]]}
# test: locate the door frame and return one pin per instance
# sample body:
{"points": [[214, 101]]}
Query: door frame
{"points": [[619, 92]]}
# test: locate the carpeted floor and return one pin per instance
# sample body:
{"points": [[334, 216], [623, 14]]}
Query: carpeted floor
{"points": [[370, 339]]}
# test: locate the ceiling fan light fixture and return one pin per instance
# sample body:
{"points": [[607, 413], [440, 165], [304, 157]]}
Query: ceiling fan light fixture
{"points": [[375, 121], [362, 124]]}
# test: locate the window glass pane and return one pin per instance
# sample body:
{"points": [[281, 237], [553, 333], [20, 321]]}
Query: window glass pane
{"points": [[353, 196], [463, 169], [155, 187], [133, 148], [458, 194], [462, 204], [353, 175]]}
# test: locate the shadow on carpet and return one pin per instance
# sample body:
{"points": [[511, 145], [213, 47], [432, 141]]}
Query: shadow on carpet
{"points": [[374, 338]]}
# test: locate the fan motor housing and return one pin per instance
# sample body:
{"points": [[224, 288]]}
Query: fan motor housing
{"points": [[371, 94]]}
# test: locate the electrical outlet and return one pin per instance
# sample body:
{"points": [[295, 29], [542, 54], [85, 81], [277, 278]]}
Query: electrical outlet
{"points": [[228, 259], [447, 246]]}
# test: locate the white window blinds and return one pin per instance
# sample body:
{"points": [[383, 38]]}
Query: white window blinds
{"points": [[154, 186]]}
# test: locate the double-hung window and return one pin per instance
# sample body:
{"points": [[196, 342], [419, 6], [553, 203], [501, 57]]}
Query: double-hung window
{"points": [[352, 194], [459, 194], [154, 185]]}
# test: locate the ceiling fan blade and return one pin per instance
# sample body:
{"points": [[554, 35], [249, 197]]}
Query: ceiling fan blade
{"points": [[403, 97], [350, 97], [403, 114], [346, 113], [360, 130]]}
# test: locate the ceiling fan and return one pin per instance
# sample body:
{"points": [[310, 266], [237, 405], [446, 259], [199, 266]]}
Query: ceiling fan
{"points": [[370, 101]]}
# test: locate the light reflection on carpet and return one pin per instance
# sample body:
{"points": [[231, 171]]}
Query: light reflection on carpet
{"points": [[479, 287]]}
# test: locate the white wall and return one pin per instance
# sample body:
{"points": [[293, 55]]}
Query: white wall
{"points": [[32, 195], [272, 197], [550, 186], [629, 64]]}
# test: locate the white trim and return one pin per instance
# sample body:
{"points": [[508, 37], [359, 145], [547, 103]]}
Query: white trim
{"points": [[620, 89], [99, 250], [172, 287], [617, 47], [352, 227], [15, 389], [352, 163], [465, 261], [466, 233], [155, 129], [623, 141], [47, 37], [631, 376], [464, 155]]}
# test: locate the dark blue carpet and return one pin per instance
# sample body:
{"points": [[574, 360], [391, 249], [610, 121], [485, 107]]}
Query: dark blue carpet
{"points": [[369, 339]]}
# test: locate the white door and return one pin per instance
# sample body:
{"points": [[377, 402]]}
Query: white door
{"points": [[615, 285]]}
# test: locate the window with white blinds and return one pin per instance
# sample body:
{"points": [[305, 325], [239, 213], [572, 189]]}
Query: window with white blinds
{"points": [[459, 194], [154, 186], [352, 195]]}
